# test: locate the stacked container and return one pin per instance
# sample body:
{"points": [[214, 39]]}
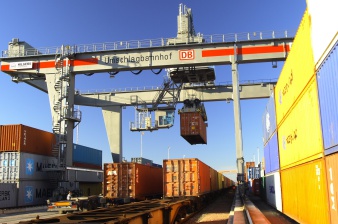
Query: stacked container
{"points": [[86, 157], [25, 152], [300, 144], [327, 73]]}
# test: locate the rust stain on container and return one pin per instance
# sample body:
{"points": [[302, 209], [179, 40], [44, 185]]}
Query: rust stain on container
{"points": [[193, 128], [21, 138], [299, 136], [297, 71], [304, 192], [332, 180], [132, 181], [186, 177]]}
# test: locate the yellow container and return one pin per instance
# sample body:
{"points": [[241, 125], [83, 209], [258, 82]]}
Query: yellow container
{"points": [[300, 136], [304, 193], [297, 71]]}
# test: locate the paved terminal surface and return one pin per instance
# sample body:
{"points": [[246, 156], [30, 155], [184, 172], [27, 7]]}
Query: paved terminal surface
{"points": [[20, 215], [272, 214]]}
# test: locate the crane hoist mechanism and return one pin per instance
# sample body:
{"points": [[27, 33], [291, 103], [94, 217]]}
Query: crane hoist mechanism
{"points": [[173, 82]]}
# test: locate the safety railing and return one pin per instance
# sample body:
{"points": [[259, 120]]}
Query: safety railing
{"points": [[160, 42]]}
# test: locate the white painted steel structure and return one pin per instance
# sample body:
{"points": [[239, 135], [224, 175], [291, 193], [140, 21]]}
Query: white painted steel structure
{"points": [[54, 69]]}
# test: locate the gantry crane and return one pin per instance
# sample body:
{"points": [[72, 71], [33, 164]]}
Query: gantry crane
{"points": [[188, 58]]}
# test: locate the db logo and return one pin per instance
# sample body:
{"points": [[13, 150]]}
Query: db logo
{"points": [[187, 54]]}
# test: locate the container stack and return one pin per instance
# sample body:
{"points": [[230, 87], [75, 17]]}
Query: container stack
{"points": [[301, 152], [24, 152], [271, 181]]}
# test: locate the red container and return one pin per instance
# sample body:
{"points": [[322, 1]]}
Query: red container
{"points": [[193, 128], [256, 187], [132, 181], [21, 138], [87, 166]]}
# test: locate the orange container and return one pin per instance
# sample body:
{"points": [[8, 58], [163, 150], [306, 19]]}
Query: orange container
{"points": [[132, 181], [21, 138], [185, 177], [304, 192], [332, 180], [193, 128]]}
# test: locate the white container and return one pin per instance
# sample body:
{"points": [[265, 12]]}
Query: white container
{"points": [[273, 190], [322, 29], [8, 195], [17, 166], [34, 192]]}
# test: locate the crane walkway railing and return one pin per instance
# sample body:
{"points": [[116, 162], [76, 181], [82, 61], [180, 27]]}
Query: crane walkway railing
{"points": [[148, 43]]}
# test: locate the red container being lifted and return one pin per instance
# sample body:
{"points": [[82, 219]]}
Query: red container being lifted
{"points": [[193, 128]]}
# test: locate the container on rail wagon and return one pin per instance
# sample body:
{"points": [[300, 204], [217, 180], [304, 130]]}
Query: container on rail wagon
{"points": [[8, 195], [83, 155], [132, 181], [332, 185], [273, 190], [187, 177], [321, 12], [21, 138], [17, 166], [327, 74], [271, 154], [193, 128], [304, 192], [34, 192], [300, 136], [297, 71], [269, 119], [90, 188]]}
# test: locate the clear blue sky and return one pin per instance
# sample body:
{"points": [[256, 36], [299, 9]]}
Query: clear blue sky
{"points": [[53, 23]]}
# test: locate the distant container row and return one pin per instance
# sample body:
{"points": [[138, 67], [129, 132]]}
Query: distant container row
{"points": [[178, 178], [24, 139]]}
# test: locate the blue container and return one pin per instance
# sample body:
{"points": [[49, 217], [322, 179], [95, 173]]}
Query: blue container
{"points": [[271, 155], [269, 119], [327, 79], [84, 154]]}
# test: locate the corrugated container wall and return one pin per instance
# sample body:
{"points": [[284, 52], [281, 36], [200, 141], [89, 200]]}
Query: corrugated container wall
{"points": [[332, 186], [8, 195], [322, 12], [193, 128], [21, 138], [271, 154], [142, 160], [300, 136], [87, 155], [297, 71], [132, 181], [17, 166], [185, 177], [269, 119], [273, 190], [304, 193], [34, 192], [327, 76]]}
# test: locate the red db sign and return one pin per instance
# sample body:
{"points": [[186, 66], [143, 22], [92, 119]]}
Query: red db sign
{"points": [[187, 54]]}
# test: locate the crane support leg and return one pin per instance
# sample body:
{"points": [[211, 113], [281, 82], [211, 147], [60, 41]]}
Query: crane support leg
{"points": [[238, 124], [112, 116]]}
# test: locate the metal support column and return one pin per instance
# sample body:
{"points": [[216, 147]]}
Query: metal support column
{"points": [[112, 116], [237, 119]]}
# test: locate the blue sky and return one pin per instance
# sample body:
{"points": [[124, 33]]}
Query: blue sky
{"points": [[53, 23]]}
